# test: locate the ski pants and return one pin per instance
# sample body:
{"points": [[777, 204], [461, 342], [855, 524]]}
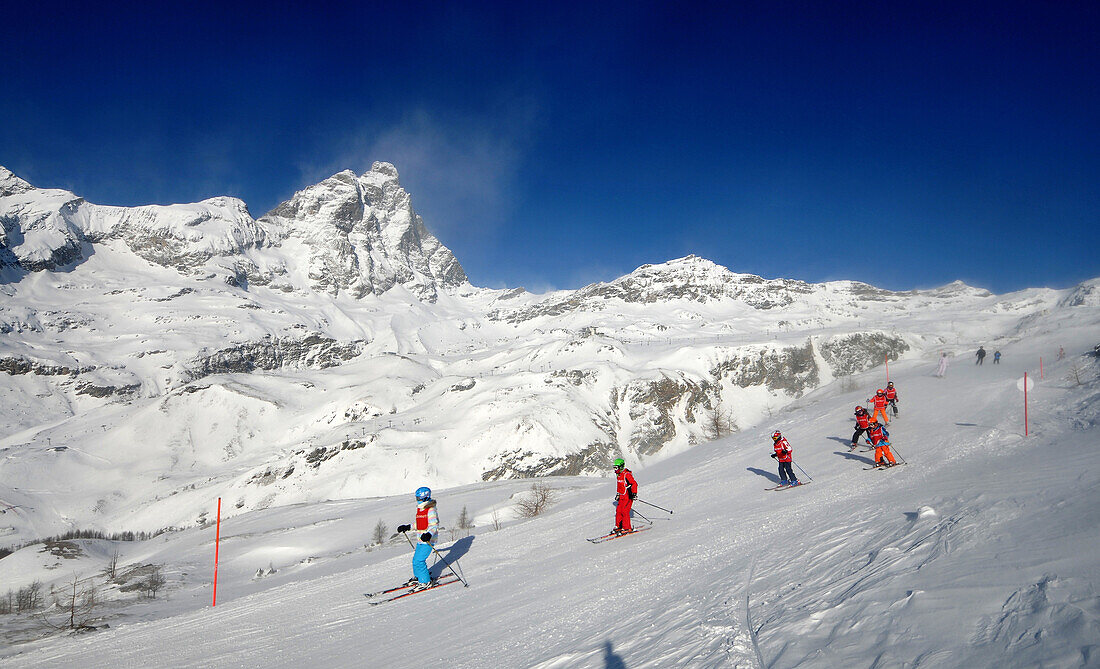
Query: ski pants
{"points": [[420, 562], [894, 406], [855, 435], [622, 513], [786, 473], [885, 420], [883, 448]]}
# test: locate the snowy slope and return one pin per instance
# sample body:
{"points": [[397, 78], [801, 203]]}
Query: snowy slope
{"points": [[981, 552]]}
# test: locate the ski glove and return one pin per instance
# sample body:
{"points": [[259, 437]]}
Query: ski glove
{"points": [[404, 528], [426, 537], [775, 455], [632, 494]]}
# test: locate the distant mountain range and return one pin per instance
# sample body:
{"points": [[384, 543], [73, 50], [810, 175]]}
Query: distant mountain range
{"points": [[155, 357]]}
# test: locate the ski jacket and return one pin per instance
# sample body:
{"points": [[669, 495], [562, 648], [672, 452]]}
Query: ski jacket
{"points": [[879, 401], [626, 483], [891, 394], [783, 450], [863, 419], [877, 434], [427, 519]]}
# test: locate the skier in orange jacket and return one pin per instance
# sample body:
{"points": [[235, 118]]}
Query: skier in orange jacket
{"points": [[880, 402]]}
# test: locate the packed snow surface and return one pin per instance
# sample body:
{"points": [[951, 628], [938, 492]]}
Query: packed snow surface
{"points": [[981, 551]]}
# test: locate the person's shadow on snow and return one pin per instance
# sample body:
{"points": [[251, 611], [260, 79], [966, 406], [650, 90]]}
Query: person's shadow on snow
{"points": [[610, 659], [853, 456], [774, 478], [841, 440], [451, 554]]}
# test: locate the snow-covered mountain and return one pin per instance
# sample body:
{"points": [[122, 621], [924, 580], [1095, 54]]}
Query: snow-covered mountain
{"points": [[980, 552], [154, 357]]}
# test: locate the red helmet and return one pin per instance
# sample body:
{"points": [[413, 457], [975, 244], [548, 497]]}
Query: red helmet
{"points": [[880, 391], [859, 408], [874, 422], [776, 436]]}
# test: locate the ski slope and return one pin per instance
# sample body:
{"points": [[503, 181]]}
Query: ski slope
{"points": [[982, 551]]}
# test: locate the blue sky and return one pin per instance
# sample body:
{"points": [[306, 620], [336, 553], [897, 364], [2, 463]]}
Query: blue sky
{"points": [[552, 145]]}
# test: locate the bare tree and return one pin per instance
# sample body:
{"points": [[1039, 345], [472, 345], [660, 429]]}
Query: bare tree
{"points": [[381, 532], [111, 570], [496, 519], [7, 604], [76, 602], [155, 581], [29, 598], [718, 421], [534, 504]]}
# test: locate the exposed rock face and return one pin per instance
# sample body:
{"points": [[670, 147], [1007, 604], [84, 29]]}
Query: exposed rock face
{"points": [[364, 237], [272, 353], [592, 459], [861, 351], [791, 370]]}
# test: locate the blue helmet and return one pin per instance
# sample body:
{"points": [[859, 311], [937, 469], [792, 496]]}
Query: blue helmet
{"points": [[423, 494]]}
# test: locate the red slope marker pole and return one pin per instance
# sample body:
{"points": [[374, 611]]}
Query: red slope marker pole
{"points": [[887, 357], [217, 544], [1025, 404], [1040, 368]]}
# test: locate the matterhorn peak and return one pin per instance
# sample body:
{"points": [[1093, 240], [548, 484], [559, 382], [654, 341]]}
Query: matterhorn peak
{"points": [[11, 184]]}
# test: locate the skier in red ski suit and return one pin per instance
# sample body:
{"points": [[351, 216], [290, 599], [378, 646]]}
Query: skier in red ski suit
{"points": [[625, 492], [863, 422], [879, 401], [892, 397], [785, 455]]}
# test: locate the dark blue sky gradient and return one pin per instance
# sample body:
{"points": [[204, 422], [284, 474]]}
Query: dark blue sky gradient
{"points": [[552, 146]]}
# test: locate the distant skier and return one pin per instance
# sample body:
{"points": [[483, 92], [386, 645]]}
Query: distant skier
{"points": [[626, 489], [879, 402], [863, 423], [427, 525], [785, 456], [980, 355], [879, 438], [996, 357], [943, 366], [892, 397], [1061, 352]]}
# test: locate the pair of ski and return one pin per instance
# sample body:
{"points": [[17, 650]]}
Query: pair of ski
{"points": [[618, 535], [867, 469], [785, 486], [405, 591]]}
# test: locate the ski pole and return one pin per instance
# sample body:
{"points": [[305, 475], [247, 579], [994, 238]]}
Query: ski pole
{"points": [[440, 556], [894, 450], [802, 470], [641, 516], [653, 505]]}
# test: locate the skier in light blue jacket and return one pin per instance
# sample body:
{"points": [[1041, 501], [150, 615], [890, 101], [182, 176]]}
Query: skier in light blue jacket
{"points": [[427, 525]]}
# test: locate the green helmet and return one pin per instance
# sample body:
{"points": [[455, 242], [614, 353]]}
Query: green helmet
{"points": [[619, 462]]}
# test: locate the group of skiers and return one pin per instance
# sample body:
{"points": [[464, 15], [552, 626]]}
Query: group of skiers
{"points": [[626, 487]]}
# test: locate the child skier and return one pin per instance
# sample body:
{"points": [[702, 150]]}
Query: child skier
{"points": [[878, 437], [943, 366], [892, 397], [784, 455], [879, 401], [427, 525], [863, 423], [625, 491]]}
